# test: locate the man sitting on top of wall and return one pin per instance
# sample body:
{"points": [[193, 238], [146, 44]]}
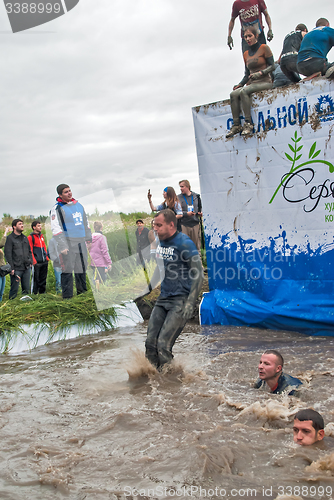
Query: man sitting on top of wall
{"points": [[312, 55]]}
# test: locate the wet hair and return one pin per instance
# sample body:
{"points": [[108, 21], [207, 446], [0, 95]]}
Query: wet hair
{"points": [[301, 27], [314, 416], [97, 226], [139, 220], [253, 30], [61, 188], [187, 183], [15, 221], [322, 22], [34, 223], [171, 197], [277, 354], [168, 215]]}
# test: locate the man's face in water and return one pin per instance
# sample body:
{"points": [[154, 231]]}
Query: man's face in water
{"points": [[269, 368], [305, 434]]}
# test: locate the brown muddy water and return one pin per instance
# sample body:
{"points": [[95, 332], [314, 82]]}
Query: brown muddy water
{"points": [[73, 425]]}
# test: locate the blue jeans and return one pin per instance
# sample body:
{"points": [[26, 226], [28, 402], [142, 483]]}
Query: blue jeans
{"points": [[2, 286], [57, 271]]}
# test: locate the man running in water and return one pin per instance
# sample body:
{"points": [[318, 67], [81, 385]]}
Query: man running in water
{"points": [[183, 277]]}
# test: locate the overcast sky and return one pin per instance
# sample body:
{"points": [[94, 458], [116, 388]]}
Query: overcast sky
{"points": [[101, 97]]}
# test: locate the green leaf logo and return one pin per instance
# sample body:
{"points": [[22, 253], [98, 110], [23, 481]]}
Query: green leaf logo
{"points": [[312, 155]]}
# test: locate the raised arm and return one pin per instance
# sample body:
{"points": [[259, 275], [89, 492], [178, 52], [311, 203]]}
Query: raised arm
{"points": [[149, 197]]}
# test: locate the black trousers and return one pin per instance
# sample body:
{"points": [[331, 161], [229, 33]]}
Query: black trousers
{"points": [[313, 65], [164, 327], [39, 278], [15, 282], [289, 68], [74, 261]]}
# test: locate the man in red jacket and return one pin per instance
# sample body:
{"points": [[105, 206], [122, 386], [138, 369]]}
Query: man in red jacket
{"points": [[39, 257]]}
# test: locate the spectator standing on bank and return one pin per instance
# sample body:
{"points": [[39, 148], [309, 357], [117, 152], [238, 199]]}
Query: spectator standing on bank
{"points": [[250, 15], [289, 54], [54, 256], [99, 254], [40, 258], [312, 55], [143, 243], [69, 225], [170, 201], [18, 255], [191, 210], [2, 262]]}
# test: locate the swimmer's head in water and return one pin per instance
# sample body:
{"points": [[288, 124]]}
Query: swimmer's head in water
{"points": [[308, 427], [271, 365]]}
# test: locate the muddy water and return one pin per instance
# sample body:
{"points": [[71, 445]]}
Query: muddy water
{"points": [[73, 425]]}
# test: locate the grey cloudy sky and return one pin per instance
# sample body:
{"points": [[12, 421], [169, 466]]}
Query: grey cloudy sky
{"points": [[101, 97]]}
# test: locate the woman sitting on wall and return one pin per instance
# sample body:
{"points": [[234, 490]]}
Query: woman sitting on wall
{"points": [[259, 63]]}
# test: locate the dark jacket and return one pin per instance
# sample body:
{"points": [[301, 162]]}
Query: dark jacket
{"points": [[18, 252], [195, 200], [143, 244], [284, 382]]}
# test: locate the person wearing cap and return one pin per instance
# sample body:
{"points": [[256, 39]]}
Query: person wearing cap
{"points": [[71, 230], [143, 243], [289, 54]]}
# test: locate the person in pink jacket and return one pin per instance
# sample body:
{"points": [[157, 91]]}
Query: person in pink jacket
{"points": [[99, 254]]}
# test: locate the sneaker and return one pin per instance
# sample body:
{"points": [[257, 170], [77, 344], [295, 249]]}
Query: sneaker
{"points": [[234, 130], [330, 73], [247, 129]]}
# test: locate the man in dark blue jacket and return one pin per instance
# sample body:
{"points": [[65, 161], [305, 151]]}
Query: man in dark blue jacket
{"points": [[18, 255], [271, 374], [70, 228], [180, 286]]}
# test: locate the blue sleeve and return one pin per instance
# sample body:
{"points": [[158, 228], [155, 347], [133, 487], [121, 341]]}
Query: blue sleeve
{"points": [[178, 208], [160, 207]]}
